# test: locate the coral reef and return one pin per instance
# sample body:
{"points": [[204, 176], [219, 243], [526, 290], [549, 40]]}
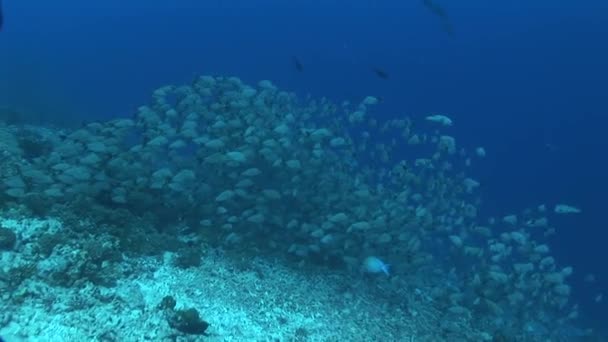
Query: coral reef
{"points": [[231, 183]]}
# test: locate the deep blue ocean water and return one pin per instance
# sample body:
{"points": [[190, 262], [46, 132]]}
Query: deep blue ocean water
{"points": [[526, 80]]}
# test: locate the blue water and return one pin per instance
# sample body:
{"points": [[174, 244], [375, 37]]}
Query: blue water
{"points": [[526, 80]]}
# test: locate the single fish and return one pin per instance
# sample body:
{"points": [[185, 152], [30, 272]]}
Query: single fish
{"points": [[380, 73], [375, 265], [435, 8], [297, 64], [1, 16], [441, 13]]}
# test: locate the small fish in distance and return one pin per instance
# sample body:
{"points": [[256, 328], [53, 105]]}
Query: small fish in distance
{"points": [[441, 14], [297, 64], [1, 16], [435, 8], [380, 73]]}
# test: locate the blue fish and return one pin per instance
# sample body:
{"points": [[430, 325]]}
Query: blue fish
{"points": [[373, 264]]}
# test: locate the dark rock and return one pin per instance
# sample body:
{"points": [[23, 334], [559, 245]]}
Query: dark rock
{"points": [[188, 322], [8, 239]]}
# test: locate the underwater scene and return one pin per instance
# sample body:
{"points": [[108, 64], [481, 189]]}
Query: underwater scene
{"points": [[294, 171]]}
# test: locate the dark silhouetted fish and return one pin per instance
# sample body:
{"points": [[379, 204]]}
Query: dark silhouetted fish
{"points": [[297, 64], [380, 73], [441, 13], [1, 16]]}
